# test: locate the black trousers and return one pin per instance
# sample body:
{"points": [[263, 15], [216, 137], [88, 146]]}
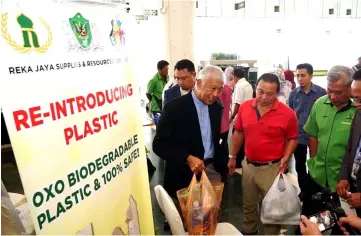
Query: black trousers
{"points": [[240, 155], [300, 158]]}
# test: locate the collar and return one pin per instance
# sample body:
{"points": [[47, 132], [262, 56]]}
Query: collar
{"points": [[196, 100], [183, 91], [160, 77], [348, 106], [313, 88], [241, 80], [275, 106]]}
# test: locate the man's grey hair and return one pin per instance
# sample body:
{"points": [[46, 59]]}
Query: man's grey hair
{"points": [[211, 70], [228, 72], [336, 72]]}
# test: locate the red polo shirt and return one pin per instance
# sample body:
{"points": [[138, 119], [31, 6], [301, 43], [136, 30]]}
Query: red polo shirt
{"points": [[265, 138]]}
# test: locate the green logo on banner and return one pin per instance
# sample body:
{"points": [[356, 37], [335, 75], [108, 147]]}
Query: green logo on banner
{"points": [[29, 36], [81, 30], [27, 29]]}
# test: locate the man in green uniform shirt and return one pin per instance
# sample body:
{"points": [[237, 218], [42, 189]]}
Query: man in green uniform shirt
{"points": [[328, 127], [156, 86]]}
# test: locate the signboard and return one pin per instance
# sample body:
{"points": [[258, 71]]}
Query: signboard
{"points": [[239, 5], [70, 102]]}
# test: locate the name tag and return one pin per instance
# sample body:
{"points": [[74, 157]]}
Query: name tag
{"points": [[356, 167]]}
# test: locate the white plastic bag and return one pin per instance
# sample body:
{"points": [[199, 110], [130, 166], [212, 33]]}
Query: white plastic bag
{"points": [[281, 204]]}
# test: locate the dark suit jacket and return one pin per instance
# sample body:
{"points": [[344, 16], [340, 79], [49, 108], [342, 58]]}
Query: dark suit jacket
{"points": [[178, 135], [350, 153], [171, 94]]}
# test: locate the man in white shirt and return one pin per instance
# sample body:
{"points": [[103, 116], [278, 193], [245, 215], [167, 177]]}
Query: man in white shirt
{"points": [[242, 92]]}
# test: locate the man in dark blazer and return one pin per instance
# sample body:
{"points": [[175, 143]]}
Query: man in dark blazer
{"points": [[349, 185], [188, 134], [185, 74]]}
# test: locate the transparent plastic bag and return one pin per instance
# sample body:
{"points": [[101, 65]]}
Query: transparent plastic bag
{"points": [[281, 204], [200, 205]]}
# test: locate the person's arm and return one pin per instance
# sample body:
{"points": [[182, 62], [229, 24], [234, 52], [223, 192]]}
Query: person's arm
{"points": [[308, 228], [352, 221], [235, 111], [311, 128], [313, 146], [238, 98], [237, 141], [149, 96], [343, 184], [165, 101], [150, 89], [347, 159], [291, 143], [290, 100]]}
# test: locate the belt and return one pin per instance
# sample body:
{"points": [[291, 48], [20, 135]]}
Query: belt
{"points": [[208, 161], [268, 163]]}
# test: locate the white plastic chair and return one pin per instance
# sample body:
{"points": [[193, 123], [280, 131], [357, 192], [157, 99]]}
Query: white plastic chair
{"points": [[175, 221], [15, 214]]}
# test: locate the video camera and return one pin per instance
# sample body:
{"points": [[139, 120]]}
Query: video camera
{"points": [[333, 212]]}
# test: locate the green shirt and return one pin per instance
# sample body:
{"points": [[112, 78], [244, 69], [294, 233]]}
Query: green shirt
{"points": [[155, 88], [332, 128]]}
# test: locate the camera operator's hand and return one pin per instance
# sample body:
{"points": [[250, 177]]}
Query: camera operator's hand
{"points": [[308, 228], [196, 164], [351, 220], [354, 200], [342, 188]]}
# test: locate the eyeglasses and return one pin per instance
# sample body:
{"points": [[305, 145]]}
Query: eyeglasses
{"points": [[356, 100]]}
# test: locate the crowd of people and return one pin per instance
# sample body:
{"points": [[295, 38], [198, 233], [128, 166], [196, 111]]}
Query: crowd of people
{"points": [[280, 121]]}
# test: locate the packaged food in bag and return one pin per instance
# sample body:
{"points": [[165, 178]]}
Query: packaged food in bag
{"points": [[281, 204], [200, 205]]}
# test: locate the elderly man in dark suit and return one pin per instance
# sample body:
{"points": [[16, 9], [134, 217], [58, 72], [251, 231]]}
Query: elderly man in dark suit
{"points": [[350, 175], [185, 74], [188, 133]]}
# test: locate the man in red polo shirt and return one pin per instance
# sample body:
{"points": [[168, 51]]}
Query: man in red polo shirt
{"points": [[270, 128]]}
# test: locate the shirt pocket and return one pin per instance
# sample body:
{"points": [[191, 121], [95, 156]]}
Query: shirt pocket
{"points": [[274, 131]]}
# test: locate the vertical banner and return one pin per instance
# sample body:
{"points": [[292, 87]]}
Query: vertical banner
{"points": [[70, 103]]}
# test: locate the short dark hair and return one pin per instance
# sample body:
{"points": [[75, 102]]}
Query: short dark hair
{"points": [[161, 64], [185, 64], [270, 78], [239, 73], [357, 75], [306, 66]]}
